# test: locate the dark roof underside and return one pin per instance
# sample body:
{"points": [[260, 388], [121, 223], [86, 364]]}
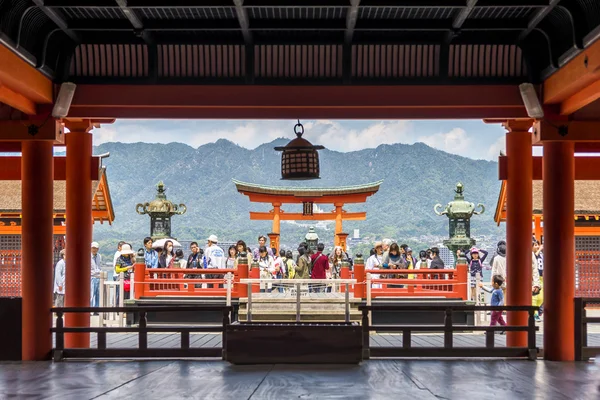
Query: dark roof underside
{"points": [[319, 41]]}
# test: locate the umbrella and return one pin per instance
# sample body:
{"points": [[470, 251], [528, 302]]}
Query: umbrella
{"points": [[160, 243]]}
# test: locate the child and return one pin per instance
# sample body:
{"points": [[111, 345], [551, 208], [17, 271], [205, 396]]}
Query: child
{"points": [[497, 300], [475, 268]]}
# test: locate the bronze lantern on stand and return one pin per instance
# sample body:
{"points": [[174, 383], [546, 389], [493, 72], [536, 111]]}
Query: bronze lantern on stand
{"points": [[459, 213], [300, 159], [160, 210]]}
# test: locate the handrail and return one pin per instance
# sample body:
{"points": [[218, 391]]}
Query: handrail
{"points": [[448, 328], [142, 329], [584, 352], [301, 281]]}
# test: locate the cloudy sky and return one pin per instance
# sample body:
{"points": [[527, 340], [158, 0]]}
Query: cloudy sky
{"points": [[469, 138]]}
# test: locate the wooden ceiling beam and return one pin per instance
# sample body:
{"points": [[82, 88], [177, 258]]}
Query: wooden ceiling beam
{"points": [[285, 216], [10, 168], [16, 100], [582, 71], [571, 131], [22, 78], [258, 101], [586, 168], [23, 130]]}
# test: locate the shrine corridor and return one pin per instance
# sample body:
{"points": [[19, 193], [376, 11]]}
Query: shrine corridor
{"points": [[374, 379]]}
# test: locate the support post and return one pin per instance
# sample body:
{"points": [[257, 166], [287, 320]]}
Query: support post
{"points": [[274, 241], [359, 275], [462, 277], [519, 208], [345, 274], [559, 250], [254, 274], [79, 229], [37, 244], [140, 276], [242, 270], [338, 222]]}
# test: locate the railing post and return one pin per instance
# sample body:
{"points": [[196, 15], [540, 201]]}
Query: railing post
{"points": [[366, 334], [249, 306], [121, 297], [463, 280], [229, 279], [347, 302], [448, 329], [242, 272], [531, 345], [102, 296], [344, 274], [298, 297], [143, 333], [359, 275], [579, 339], [138, 287], [60, 337], [224, 335], [255, 274]]}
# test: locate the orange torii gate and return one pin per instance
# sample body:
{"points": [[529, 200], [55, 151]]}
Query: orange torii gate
{"points": [[338, 196]]}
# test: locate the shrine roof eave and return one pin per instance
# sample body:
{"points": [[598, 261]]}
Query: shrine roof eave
{"points": [[587, 200], [264, 193]]}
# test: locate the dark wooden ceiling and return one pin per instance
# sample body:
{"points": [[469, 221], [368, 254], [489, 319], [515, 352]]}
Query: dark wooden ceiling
{"points": [[299, 41]]}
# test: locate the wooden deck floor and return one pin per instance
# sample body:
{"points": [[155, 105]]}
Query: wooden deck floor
{"points": [[172, 340], [374, 379]]}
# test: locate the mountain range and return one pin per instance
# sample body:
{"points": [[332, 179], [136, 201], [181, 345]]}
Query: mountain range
{"points": [[415, 178]]}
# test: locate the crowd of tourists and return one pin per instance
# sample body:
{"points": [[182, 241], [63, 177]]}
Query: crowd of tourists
{"points": [[307, 263]]}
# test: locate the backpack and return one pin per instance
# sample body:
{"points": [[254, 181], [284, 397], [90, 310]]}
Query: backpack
{"points": [[291, 270]]}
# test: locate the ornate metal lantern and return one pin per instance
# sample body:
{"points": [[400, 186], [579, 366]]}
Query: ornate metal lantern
{"points": [[300, 159], [312, 239], [160, 210], [459, 212]]}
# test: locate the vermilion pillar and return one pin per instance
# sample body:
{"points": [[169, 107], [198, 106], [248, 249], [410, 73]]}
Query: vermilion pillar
{"points": [[519, 207], [79, 229], [37, 186], [559, 250]]}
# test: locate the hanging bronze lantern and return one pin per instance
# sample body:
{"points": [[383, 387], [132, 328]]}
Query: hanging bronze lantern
{"points": [[300, 160]]}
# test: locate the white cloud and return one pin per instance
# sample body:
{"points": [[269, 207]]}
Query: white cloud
{"points": [[495, 149], [449, 136]]}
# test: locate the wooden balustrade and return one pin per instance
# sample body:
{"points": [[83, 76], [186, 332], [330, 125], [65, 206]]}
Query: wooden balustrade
{"points": [[583, 352], [172, 282]]}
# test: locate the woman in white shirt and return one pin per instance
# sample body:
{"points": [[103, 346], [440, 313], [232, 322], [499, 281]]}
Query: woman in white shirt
{"points": [[374, 262], [267, 267]]}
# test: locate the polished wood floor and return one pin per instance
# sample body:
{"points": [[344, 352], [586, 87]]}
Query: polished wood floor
{"points": [[374, 379]]}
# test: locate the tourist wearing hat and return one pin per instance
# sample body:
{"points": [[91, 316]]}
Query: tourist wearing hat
{"points": [[214, 258], [95, 271], [475, 258], [125, 265], [375, 262]]}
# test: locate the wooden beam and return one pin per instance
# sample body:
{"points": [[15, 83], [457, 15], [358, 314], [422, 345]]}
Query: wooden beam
{"points": [[582, 98], [10, 168], [348, 216], [22, 130], [346, 199], [16, 100], [587, 147], [22, 78], [572, 131], [586, 168], [256, 101], [574, 76]]}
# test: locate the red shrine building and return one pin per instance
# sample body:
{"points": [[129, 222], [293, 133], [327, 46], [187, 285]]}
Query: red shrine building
{"points": [[67, 67]]}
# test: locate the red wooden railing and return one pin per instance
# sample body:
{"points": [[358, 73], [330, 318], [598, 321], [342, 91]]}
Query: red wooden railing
{"points": [[449, 283]]}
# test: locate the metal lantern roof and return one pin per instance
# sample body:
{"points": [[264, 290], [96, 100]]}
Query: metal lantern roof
{"points": [[345, 42]]}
